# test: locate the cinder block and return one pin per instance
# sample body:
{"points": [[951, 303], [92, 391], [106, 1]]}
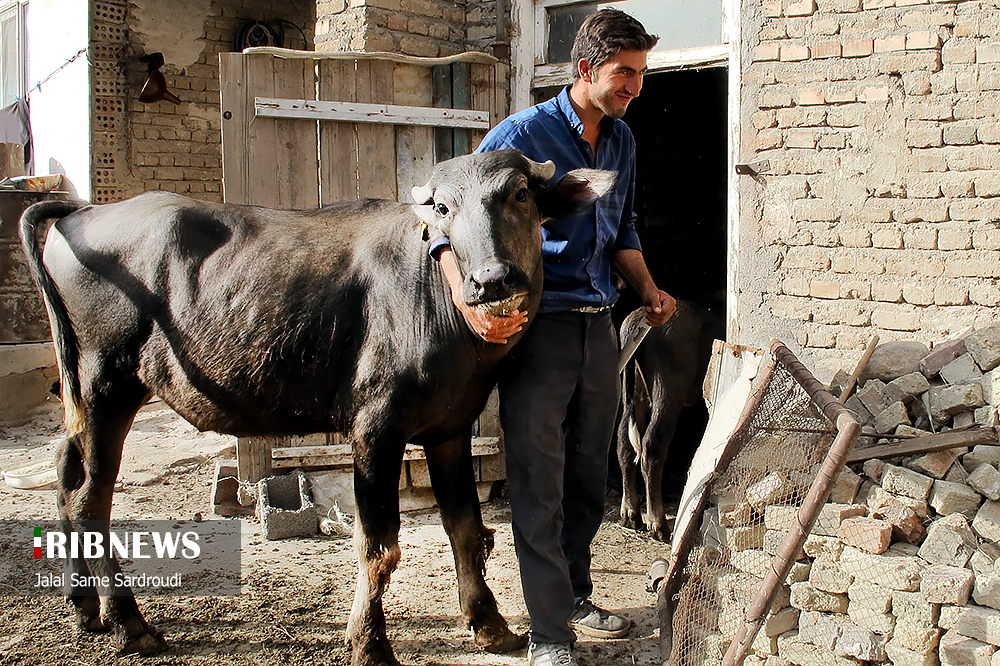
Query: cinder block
{"points": [[948, 497], [987, 521], [225, 491], [779, 517], [832, 515], [980, 623], [743, 538], [284, 506], [898, 572], [908, 386], [963, 370], [951, 400], [845, 488], [930, 366], [755, 562], [891, 418], [817, 545], [986, 589], [935, 464], [943, 584], [863, 616], [984, 345], [959, 650], [949, 541], [913, 610], [873, 469], [986, 479], [869, 534], [902, 481], [872, 396], [860, 643], [827, 575], [982, 453], [873, 597], [806, 597], [923, 640]]}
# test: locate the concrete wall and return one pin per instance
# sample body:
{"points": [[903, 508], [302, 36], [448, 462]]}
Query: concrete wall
{"points": [[880, 213], [60, 119]]}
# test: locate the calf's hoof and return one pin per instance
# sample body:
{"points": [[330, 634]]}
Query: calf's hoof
{"points": [[633, 522], [146, 643], [89, 619], [498, 638]]}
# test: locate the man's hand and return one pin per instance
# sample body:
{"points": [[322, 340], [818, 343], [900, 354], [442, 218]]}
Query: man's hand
{"points": [[491, 328], [659, 306]]}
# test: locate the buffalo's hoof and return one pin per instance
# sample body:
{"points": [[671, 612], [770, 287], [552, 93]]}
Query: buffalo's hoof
{"points": [[89, 620], [662, 534], [499, 639], [146, 643]]}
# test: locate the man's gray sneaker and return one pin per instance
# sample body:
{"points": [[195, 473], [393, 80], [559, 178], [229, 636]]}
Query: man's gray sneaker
{"points": [[551, 654], [589, 620]]}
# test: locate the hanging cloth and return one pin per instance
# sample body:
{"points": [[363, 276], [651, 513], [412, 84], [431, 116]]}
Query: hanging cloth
{"points": [[15, 127]]}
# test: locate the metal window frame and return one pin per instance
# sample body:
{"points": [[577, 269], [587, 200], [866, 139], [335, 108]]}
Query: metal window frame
{"points": [[18, 7]]}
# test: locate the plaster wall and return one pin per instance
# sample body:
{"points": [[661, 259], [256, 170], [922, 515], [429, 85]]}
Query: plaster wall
{"points": [[880, 212], [60, 117]]}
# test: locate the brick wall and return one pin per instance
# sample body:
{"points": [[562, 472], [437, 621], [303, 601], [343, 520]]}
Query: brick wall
{"points": [[880, 213], [161, 146], [412, 27]]}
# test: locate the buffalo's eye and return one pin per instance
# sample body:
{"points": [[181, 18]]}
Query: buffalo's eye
{"points": [[440, 209], [521, 194]]}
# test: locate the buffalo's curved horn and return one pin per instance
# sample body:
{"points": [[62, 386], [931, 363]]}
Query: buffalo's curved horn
{"points": [[422, 194], [542, 170]]}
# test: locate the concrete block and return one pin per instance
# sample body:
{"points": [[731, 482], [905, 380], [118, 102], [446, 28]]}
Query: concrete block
{"points": [[770, 490], [912, 610], [870, 596], [872, 396], [743, 538], [943, 354], [982, 453], [817, 545], [959, 650], [845, 488], [900, 656], [859, 410], [948, 497], [799, 572], [949, 616], [986, 479], [980, 623], [964, 420], [934, 464], [860, 643], [224, 499], [820, 629], [982, 562], [898, 572], [909, 386], [957, 398], [917, 639], [872, 535], [873, 469], [986, 589], [832, 515], [879, 494], [795, 651], [863, 616], [894, 359], [892, 417], [806, 597], [735, 514], [987, 414], [827, 575], [781, 621], [902, 481], [906, 525], [943, 584], [751, 561], [949, 541], [984, 346], [987, 521], [285, 508], [963, 370], [773, 540], [779, 517]]}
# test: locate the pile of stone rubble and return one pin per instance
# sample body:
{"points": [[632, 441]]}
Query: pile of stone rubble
{"points": [[903, 565]]}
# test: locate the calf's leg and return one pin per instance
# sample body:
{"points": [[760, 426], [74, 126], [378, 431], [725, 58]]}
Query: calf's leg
{"points": [[655, 445], [635, 415], [453, 480]]}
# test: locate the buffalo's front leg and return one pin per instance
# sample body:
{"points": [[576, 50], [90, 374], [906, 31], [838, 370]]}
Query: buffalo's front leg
{"points": [[454, 482], [376, 539], [655, 446], [635, 417]]}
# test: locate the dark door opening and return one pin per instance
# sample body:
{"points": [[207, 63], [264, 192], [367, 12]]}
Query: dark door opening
{"points": [[680, 124]]}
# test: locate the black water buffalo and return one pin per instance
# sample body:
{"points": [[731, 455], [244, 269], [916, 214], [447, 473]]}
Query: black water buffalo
{"points": [[663, 377], [251, 321]]}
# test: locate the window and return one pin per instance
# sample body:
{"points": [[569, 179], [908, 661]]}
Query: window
{"points": [[13, 70]]}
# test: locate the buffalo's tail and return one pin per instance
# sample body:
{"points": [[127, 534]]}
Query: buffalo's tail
{"points": [[67, 350]]}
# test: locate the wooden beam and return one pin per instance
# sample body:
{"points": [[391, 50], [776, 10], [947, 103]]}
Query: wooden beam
{"points": [[392, 114], [944, 440], [341, 454]]}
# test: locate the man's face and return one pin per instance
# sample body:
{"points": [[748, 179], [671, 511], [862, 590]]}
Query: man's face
{"points": [[617, 82]]}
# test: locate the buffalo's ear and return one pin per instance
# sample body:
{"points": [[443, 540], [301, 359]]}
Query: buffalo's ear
{"points": [[574, 192], [426, 213]]}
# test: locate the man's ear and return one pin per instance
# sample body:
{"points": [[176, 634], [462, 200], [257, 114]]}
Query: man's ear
{"points": [[574, 192]]}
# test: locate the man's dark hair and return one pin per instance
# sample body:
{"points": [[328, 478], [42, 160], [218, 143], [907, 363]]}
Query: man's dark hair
{"points": [[605, 33]]}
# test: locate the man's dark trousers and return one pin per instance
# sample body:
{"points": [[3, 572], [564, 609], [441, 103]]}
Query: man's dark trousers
{"points": [[558, 399]]}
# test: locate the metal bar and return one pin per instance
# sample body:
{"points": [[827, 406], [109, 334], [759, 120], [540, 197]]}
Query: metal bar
{"points": [[847, 435], [393, 114]]}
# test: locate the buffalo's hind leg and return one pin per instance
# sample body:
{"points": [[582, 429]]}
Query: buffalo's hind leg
{"points": [[454, 482], [376, 540], [655, 446], [88, 463], [634, 420]]}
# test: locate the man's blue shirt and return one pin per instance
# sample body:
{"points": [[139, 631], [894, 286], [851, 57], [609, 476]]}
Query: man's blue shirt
{"points": [[577, 251]]}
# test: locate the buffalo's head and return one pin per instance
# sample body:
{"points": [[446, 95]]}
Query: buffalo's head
{"points": [[491, 206]]}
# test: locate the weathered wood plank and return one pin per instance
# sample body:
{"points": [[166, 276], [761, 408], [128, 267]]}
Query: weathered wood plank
{"points": [[460, 100], [443, 147], [386, 114], [376, 143], [262, 137], [338, 142], [297, 167], [944, 440], [481, 97], [235, 168]]}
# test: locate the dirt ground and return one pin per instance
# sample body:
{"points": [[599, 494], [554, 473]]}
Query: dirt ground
{"points": [[296, 593]]}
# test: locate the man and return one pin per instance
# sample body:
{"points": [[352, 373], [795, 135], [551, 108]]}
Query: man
{"points": [[559, 394]]}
